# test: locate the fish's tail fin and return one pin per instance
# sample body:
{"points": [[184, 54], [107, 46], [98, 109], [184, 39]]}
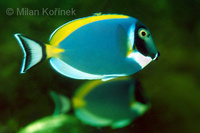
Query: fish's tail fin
{"points": [[34, 51], [62, 103]]}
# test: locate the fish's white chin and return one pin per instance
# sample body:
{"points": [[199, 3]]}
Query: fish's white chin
{"points": [[140, 59]]}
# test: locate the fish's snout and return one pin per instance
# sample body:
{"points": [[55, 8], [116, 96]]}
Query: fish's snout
{"points": [[157, 55]]}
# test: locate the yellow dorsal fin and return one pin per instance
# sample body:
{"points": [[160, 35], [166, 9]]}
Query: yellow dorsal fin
{"points": [[52, 51], [63, 31]]}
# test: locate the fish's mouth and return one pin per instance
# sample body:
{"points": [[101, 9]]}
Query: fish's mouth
{"points": [[156, 56]]}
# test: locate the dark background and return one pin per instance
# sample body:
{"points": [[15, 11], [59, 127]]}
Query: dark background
{"points": [[171, 83]]}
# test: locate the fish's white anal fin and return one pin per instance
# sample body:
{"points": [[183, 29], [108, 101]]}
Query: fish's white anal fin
{"points": [[34, 51], [120, 124], [67, 70], [91, 119]]}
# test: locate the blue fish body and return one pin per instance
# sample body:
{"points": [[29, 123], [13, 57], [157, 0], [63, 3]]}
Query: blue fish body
{"points": [[115, 103], [98, 51]]}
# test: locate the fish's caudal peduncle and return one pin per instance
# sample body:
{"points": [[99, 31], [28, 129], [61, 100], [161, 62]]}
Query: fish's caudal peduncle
{"points": [[53, 51]]}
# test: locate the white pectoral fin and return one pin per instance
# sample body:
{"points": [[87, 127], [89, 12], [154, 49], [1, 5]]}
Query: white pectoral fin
{"points": [[71, 72], [34, 51]]}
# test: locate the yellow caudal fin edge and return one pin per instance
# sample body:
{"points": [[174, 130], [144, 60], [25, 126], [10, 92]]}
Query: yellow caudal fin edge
{"points": [[53, 51]]}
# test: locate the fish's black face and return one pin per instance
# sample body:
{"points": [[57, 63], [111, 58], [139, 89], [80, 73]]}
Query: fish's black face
{"points": [[139, 41], [144, 41]]}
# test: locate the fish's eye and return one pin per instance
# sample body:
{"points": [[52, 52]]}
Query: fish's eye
{"points": [[142, 33]]}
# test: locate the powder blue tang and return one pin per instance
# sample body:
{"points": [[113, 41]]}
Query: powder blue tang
{"points": [[102, 46]]}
